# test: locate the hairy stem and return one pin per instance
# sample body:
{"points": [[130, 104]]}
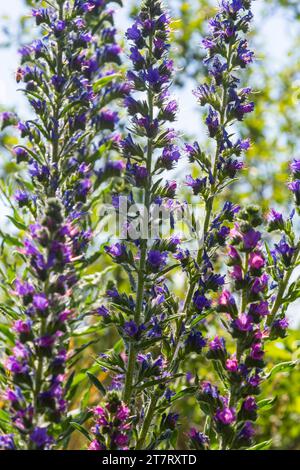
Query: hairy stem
{"points": [[141, 271], [147, 422]]}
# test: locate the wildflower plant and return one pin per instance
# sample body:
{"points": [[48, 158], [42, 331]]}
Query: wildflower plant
{"points": [[238, 281], [69, 82]]}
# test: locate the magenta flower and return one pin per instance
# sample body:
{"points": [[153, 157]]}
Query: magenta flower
{"points": [[226, 416]]}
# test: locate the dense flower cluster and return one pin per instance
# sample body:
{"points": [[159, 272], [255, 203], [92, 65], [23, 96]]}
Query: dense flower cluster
{"points": [[149, 150], [112, 426], [69, 81], [38, 360], [227, 52]]}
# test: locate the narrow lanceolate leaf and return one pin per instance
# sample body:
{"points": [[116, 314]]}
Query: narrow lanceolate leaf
{"points": [[81, 429], [267, 403], [97, 383], [261, 446], [103, 81], [282, 367]]}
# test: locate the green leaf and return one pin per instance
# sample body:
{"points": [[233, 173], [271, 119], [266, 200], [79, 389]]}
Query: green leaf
{"points": [[119, 346], [4, 416], [267, 403], [282, 367], [103, 81], [81, 348], [262, 445], [81, 429], [16, 223], [97, 383], [151, 383], [6, 331]]}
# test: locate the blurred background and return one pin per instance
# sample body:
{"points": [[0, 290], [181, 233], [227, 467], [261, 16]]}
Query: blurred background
{"points": [[274, 130]]}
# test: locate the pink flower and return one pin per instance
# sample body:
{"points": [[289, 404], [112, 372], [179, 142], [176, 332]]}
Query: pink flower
{"points": [[123, 413], [94, 445], [256, 260], [121, 440], [233, 253], [232, 364], [226, 416], [226, 299], [257, 352]]}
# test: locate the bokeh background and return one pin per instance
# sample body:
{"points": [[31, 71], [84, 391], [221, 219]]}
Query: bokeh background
{"points": [[275, 134]]}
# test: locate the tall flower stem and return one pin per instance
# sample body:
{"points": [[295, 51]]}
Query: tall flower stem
{"points": [[208, 210], [143, 252], [147, 421], [283, 286]]}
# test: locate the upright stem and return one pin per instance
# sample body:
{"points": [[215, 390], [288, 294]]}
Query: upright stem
{"points": [[141, 271], [208, 213], [283, 286], [244, 293], [57, 106], [147, 422]]}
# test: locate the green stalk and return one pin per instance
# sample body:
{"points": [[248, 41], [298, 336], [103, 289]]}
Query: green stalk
{"points": [[141, 271], [208, 212], [283, 286], [147, 422]]}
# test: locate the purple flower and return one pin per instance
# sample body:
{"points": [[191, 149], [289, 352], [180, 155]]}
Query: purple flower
{"points": [[226, 301], [232, 364], [116, 251], [22, 326], [40, 438], [21, 154], [130, 328], [226, 416], [198, 185], [257, 352], [15, 366], [7, 119], [212, 122], [156, 259], [249, 404], [195, 342], [103, 311], [247, 432], [275, 217], [40, 302], [217, 344], [7, 442], [108, 119], [285, 251], [133, 33], [231, 6], [282, 324], [251, 239], [24, 288], [210, 390], [45, 342], [260, 284], [200, 301], [22, 197], [199, 440], [260, 309], [294, 186], [244, 54], [170, 156], [243, 323], [140, 174], [295, 168]]}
